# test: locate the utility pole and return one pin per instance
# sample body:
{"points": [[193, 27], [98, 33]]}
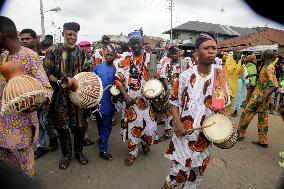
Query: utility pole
{"points": [[59, 34], [171, 20], [42, 19]]}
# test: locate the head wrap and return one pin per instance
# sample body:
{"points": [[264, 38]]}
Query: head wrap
{"points": [[168, 46], [110, 48], [173, 50], [84, 44], [105, 37], [201, 38], [71, 26], [135, 35]]}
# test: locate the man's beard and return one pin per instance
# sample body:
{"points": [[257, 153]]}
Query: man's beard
{"points": [[69, 45]]}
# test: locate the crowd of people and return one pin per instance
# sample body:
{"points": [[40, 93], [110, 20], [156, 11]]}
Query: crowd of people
{"points": [[190, 85]]}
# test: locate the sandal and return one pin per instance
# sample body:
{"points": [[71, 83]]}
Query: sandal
{"points": [[106, 156], [130, 160], [146, 149], [166, 187], [235, 114], [259, 144], [88, 142], [64, 163], [156, 142], [40, 152], [81, 158], [241, 138], [164, 137]]}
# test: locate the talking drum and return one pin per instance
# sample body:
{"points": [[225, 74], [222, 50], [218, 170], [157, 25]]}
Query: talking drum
{"points": [[21, 91], [86, 89], [221, 131], [154, 91]]}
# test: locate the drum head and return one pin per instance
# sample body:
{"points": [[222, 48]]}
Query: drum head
{"points": [[221, 130], [114, 90], [152, 88]]}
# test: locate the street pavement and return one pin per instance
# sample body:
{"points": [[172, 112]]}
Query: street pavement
{"points": [[245, 166]]}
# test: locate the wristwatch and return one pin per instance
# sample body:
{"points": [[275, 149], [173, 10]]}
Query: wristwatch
{"points": [[58, 82]]}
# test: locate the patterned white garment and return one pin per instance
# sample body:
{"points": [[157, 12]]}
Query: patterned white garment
{"points": [[100, 54], [192, 93], [120, 105], [171, 72], [185, 63], [190, 178], [139, 120]]}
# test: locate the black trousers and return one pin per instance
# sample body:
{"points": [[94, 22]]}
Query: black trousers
{"points": [[70, 117], [64, 136]]}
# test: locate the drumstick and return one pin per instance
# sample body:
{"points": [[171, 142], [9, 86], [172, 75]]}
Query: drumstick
{"points": [[107, 87], [200, 128]]}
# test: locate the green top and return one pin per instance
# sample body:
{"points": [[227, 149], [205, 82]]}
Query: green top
{"points": [[251, 69]]}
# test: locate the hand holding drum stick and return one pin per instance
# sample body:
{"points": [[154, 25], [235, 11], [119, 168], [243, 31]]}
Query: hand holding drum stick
{"points": [[200, 128]]}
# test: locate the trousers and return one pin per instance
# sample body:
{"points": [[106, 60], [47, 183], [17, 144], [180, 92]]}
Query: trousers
{"points": [[104, 124]]}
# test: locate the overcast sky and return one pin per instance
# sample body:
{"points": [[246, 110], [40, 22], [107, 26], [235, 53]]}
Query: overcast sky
{"points": [[98, 17]]}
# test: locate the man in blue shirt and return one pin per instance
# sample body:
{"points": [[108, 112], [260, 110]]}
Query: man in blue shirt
{"points": [[106, 71]]}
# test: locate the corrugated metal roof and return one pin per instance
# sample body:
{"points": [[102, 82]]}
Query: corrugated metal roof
{"points": [[118, 38], [261, 48], [216, 28], [267, 36]]}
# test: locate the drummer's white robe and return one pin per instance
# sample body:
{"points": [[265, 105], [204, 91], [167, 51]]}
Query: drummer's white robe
{"points": [[192, 94], [171, 72], [138, 124]]}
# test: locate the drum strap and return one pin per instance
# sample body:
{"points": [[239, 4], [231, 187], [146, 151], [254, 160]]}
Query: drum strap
{"points": [[136, 72], [219, 90], [170, 70]]}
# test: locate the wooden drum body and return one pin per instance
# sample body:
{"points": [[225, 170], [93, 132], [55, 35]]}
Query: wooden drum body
{"points": [[154, 91], [116, 94]]}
